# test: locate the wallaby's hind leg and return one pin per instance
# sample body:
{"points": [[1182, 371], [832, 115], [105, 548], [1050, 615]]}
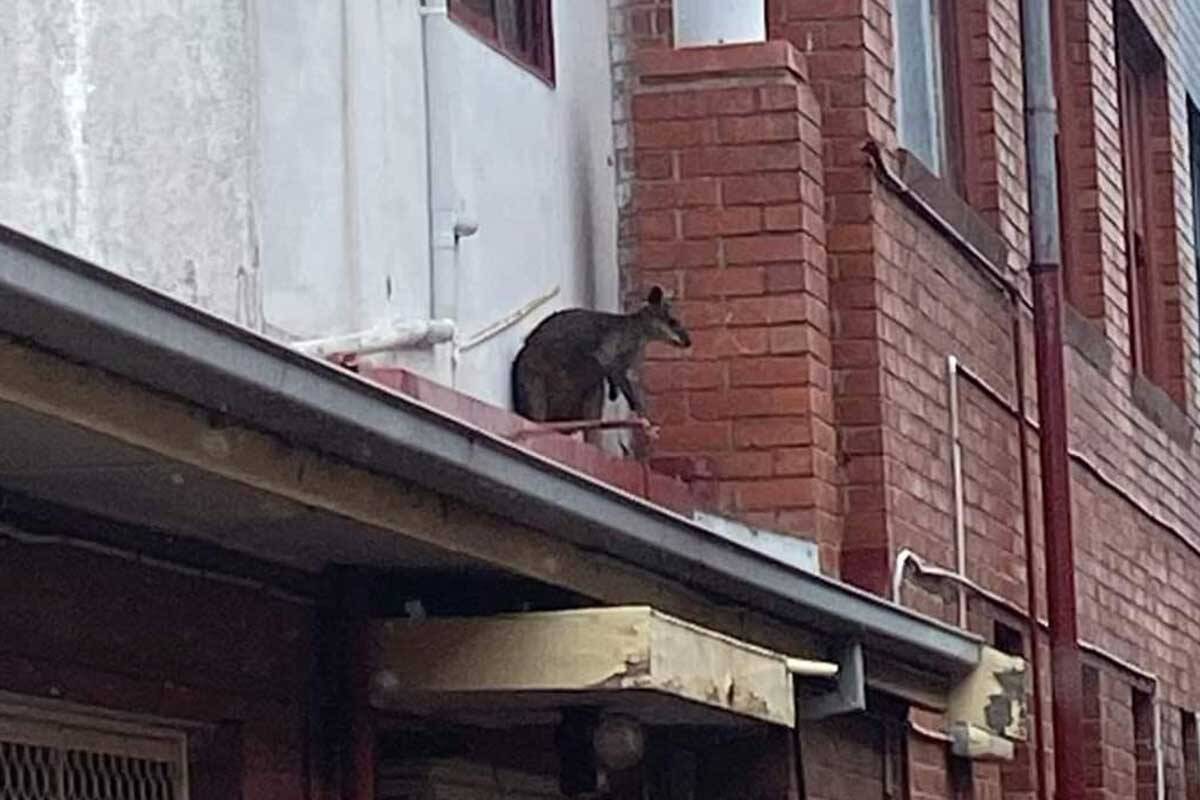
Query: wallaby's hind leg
{"points": [[632, 395], [593, 408], [533, 393]]}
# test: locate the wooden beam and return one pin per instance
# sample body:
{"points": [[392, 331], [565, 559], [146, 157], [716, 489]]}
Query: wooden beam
{"points": [[628, 655]]}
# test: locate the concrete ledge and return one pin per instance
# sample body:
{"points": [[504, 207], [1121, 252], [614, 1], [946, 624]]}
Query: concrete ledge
{"points": [[627, 475], [695, 62], [1087, 338], [1155, 403], [967, 221]]}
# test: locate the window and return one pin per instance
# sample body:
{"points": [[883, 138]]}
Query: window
{"points": [[1008, 639], [520, 29], [51, 755], [1132, 76], [1150, 269], [1146, 745], [1191, 756], [928, 114]]}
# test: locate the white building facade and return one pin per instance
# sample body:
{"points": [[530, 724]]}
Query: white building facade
{"points": [[313, 169]]}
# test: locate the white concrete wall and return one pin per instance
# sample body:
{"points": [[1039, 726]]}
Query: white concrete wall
{"points": [[342, 165], [534, 165], [125, 132], [267, 160], [700, 23]]}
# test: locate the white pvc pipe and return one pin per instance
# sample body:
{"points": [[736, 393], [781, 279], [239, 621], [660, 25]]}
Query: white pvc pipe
{"points": [[960, 527], [439, 143], [505, 322], [812, 669], [1160, 766], [902, 559], [931, 570], [395, 335]]}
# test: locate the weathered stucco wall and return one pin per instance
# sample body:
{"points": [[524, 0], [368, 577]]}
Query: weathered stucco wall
{"points": [[269, 161], [534, 165], [342, 165], [125, 137]]}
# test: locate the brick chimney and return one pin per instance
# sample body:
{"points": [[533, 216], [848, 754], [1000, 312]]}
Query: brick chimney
{"points": [[728, 215]]}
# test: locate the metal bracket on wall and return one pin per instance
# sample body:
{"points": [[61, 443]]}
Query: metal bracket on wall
{"points": [[850, 694]]}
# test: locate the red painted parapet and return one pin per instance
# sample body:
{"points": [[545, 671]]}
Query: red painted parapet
{"points": [[634, 477]]}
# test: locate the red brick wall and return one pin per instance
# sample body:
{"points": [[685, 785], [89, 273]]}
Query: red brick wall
{"points": [[634, 27], [847, 757], [847, 49], [1110, 749], [1095, 275], [1187, 785], [902, 297], [102, 631], [729, 201]]}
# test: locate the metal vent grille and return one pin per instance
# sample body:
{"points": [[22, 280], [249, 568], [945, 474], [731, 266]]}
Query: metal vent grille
{"points": [[52, 756]]}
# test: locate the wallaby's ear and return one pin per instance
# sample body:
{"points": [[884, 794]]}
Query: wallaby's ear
{"points": [[656, 296]]}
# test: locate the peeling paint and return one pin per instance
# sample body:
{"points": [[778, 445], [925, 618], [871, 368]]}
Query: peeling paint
{"points": [[751, 703], [1004, 707], [636, 671]]}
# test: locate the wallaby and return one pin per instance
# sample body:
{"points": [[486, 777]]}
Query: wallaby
{"points": [[559, 374]]}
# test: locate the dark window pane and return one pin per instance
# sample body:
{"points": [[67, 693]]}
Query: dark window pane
{"points": [[482, 8], [519, 28], [511, 24], [479, 15]]}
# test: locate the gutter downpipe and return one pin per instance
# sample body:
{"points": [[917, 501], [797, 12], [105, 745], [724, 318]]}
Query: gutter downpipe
{"points": [[1031, 598], [446, 227], [1045, 272], [956, 466]]}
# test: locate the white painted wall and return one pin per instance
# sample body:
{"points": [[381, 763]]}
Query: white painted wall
{"points": [[267, 160], [342, 165], [125, 132], [533, 165]]}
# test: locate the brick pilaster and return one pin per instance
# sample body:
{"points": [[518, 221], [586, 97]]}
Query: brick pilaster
{"points": [[728, 205]]}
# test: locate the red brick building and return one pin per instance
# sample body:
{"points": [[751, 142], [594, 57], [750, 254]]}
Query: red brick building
{"points": [[230, 570], [215, 553], [844, 214]]}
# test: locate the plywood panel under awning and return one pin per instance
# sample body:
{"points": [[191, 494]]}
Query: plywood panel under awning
{"points": [[630, 659]]}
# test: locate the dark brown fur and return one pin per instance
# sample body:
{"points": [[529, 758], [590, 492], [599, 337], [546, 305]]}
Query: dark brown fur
{"points": [[560, 372]]}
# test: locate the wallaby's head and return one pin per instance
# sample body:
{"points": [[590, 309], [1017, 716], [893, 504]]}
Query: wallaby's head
{"points": [[660, 324]]}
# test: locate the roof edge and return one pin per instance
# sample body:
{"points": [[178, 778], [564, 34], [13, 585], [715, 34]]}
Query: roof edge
{"points": [[80, 310]]}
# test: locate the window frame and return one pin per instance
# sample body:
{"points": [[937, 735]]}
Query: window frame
{"points": [[538, 60], [70, 728], [953, 37], [944, 89], [1191, 754], [1147, 741], [1136, 62]]}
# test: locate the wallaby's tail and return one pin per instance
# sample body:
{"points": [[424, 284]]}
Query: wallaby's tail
{"points": [[518, 401]]}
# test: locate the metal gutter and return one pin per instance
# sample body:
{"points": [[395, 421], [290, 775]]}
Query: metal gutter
{"points": [[90, 315]]}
